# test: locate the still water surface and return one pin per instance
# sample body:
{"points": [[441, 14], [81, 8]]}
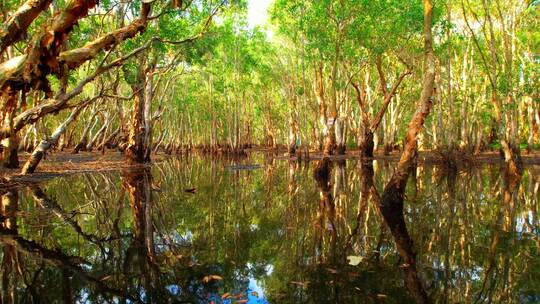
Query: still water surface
{"points": [[258, 230]]}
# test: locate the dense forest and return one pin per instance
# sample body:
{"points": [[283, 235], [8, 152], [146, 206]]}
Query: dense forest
{"points": [[329, 76], [338, 151]]}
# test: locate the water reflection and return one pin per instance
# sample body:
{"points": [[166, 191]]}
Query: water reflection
{"points": [[199, 231]]}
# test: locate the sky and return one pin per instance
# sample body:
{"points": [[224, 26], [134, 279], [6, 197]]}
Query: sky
{"points": [[257, 12]]}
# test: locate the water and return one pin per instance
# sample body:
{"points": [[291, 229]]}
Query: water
{"points": [[211, 231]]}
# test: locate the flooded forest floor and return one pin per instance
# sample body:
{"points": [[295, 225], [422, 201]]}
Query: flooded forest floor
{"points": [[66, 163], [266, 228]]}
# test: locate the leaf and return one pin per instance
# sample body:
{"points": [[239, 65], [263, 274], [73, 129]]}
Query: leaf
{"points": [[302, 284], [106, 278], [405, 265], [210, 278], [354, 260], [332, 270]]}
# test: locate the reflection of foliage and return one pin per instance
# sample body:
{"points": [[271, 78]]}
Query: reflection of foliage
{"points": [[266, 225]]}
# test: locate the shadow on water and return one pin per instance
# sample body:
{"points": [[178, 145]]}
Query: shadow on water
{"points": [[259, 230]]}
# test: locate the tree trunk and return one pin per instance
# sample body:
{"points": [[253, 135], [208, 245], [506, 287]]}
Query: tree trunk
{"points": [[106, 143], [38, 153], [393, 195], [330, 140], [81, 145], [141, 252], [10, 152], [10, 158], [40, 59], [533, 134], [292, 138], [366, 140], [98, 134], [340, 137], [366, 144], [147, 114], [135, 143]]}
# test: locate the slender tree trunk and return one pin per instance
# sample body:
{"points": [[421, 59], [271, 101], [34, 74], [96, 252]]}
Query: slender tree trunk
{"points": [[393, 195], [10, 152], [10, 158], [366, 141], [81, 145], [464, 121], [327, 119], [8, 211], [292, 137], [330, 140], [98, 134], [39, 152], [135, 144], [148, 98], [340, 136], [107, 141], [139, 134]]}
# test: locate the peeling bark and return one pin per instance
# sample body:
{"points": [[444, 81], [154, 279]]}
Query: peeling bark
{"points": [[60, 101], [16, 26], [74, 58], [134, 151], [40, 60]]}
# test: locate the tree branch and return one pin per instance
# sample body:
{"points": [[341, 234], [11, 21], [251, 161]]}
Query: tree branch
{"points": [[16, 26]]}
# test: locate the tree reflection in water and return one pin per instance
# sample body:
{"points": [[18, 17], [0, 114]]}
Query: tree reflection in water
{"points": [[289, 232]]}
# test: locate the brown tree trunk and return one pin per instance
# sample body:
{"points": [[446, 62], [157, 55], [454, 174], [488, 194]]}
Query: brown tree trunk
{"points": [[147, 114], [135, 142], [41, 58], [393, 195], [141, 252], [10, 152], [366, 144], [326, 212], [9, 274], [10, 145]]}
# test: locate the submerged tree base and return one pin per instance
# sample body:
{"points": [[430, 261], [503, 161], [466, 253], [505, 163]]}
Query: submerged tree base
{"points": [[68, 163]]}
